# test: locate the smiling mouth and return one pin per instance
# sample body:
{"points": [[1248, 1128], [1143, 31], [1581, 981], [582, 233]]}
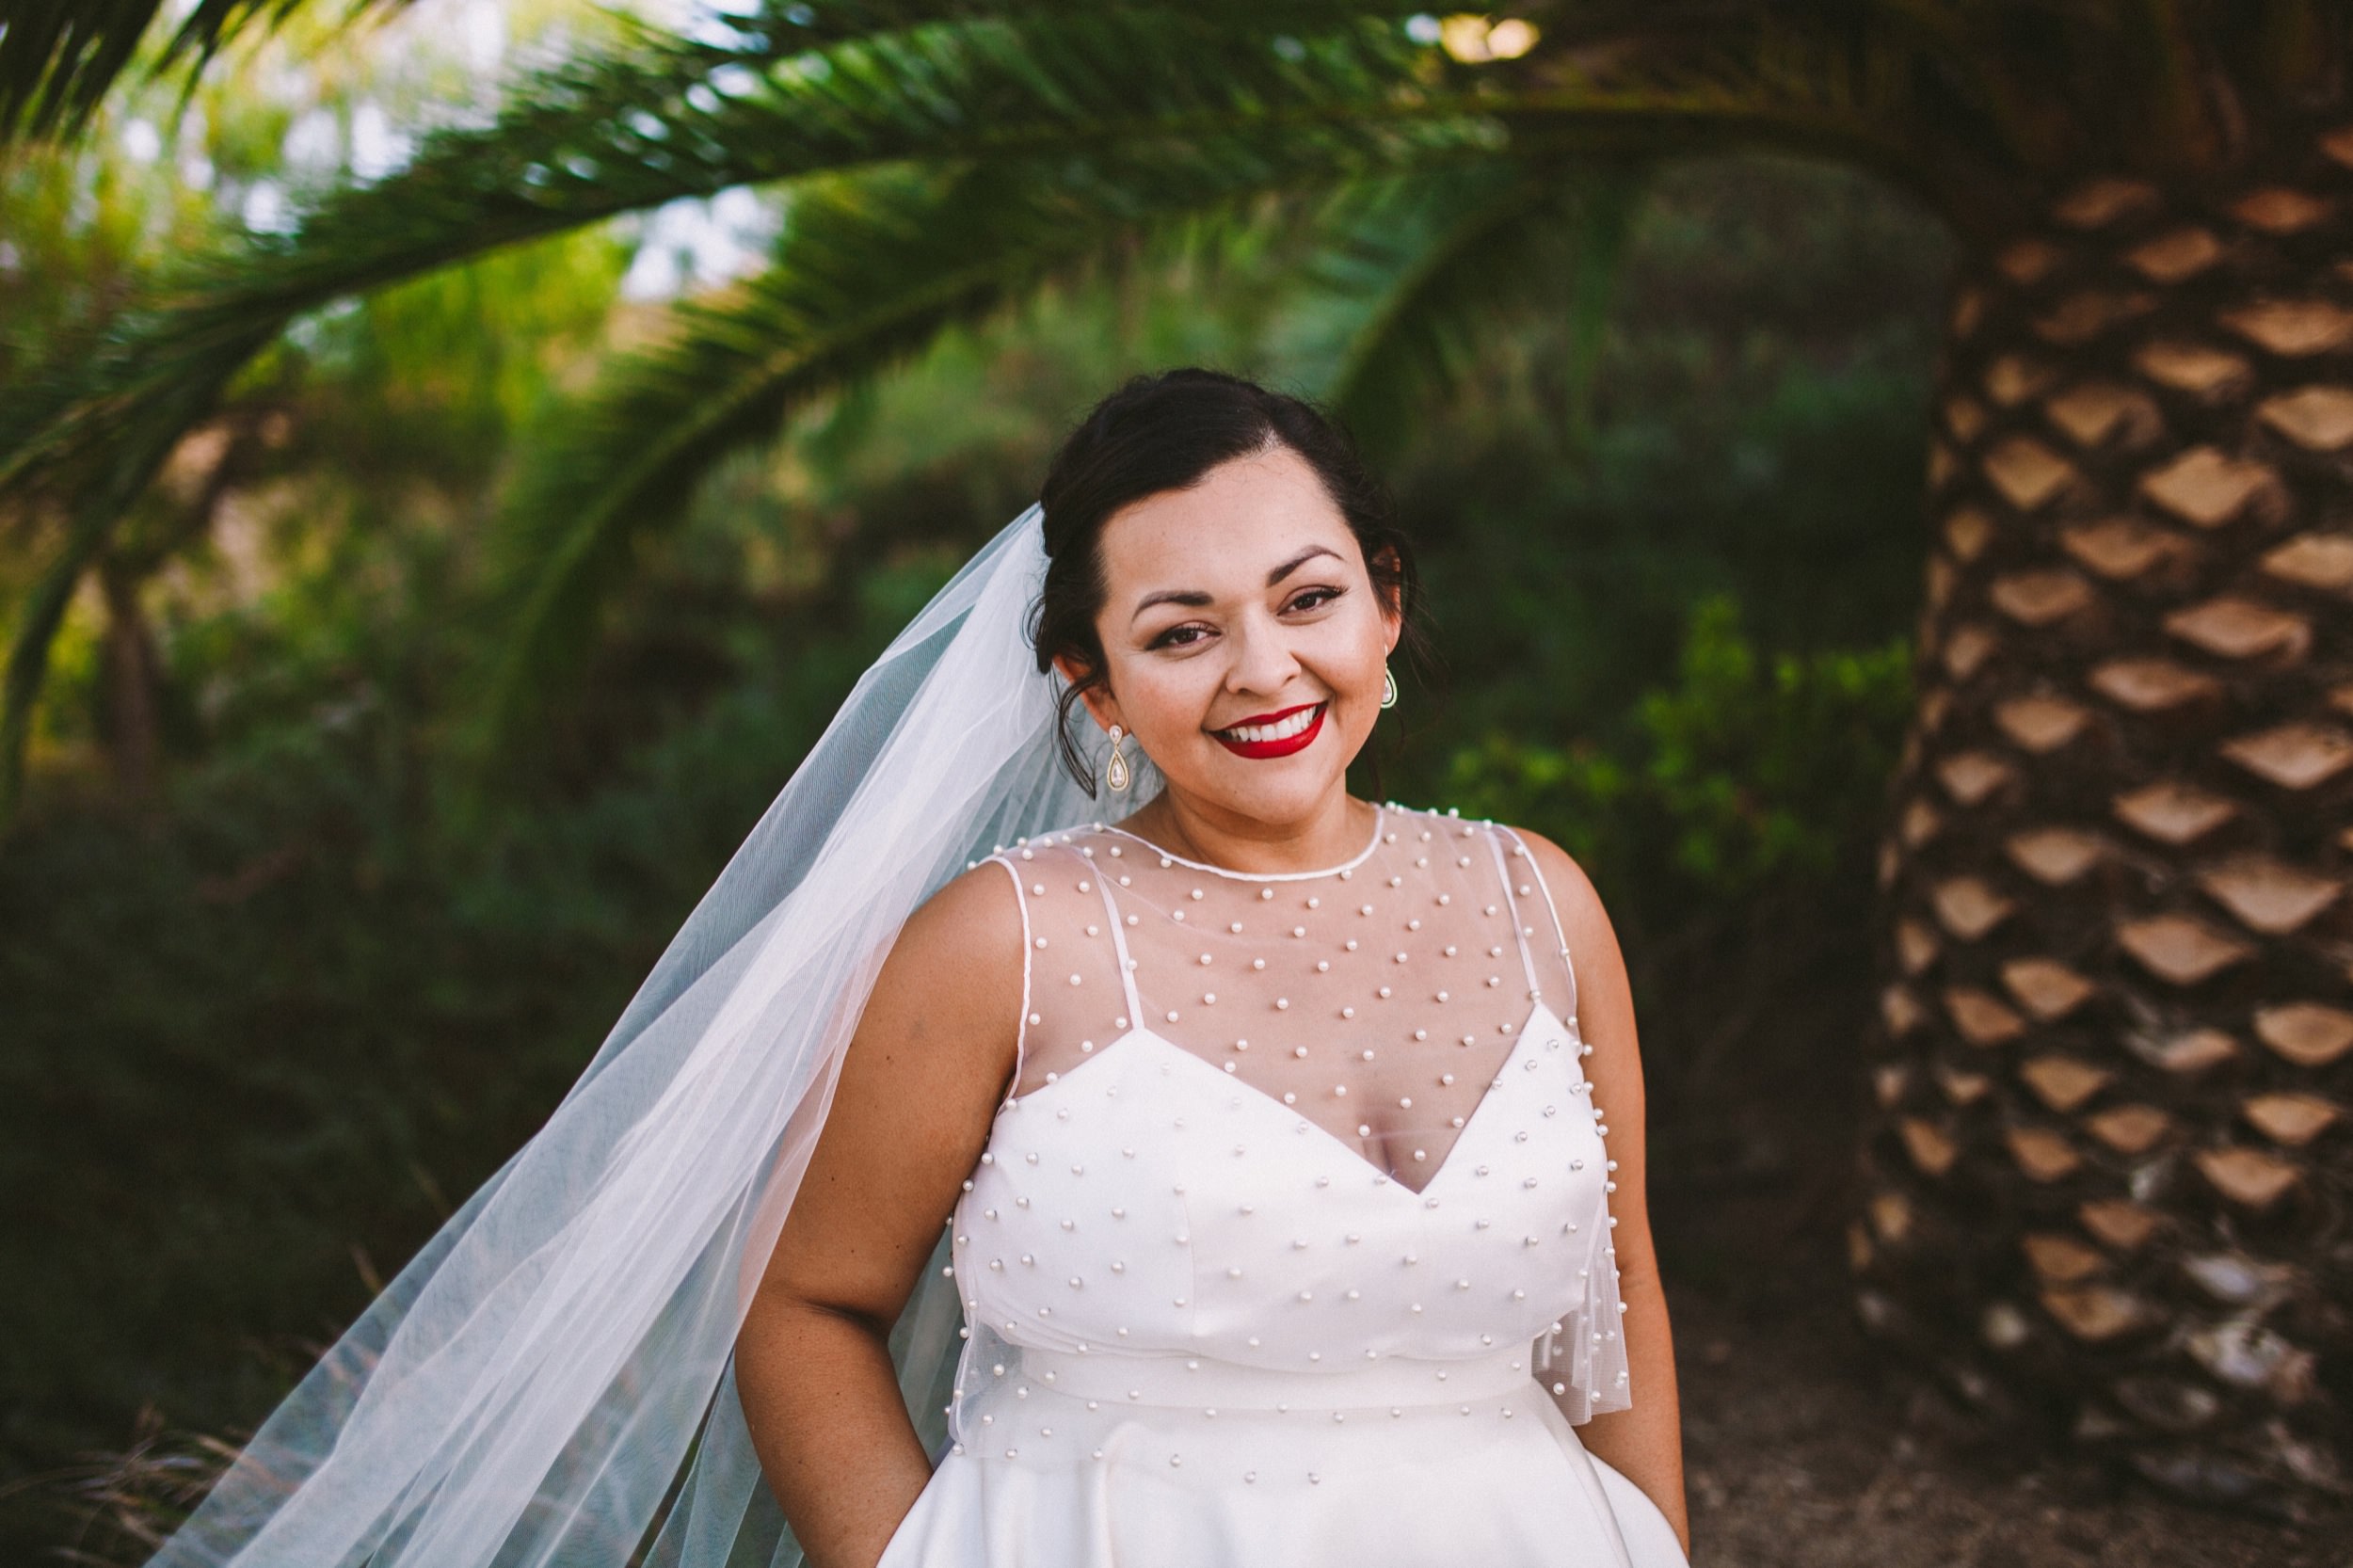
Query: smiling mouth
{"points": [[1296, 722]]}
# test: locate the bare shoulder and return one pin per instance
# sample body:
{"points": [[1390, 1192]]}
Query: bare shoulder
{"points": [[961, 950], [974, 914], [1573, 892]]}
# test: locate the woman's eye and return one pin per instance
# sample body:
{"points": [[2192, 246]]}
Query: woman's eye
{"points": [[1190, 633]]}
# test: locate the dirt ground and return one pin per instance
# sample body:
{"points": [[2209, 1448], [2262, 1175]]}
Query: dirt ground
{"points": [[1798, 1454]]}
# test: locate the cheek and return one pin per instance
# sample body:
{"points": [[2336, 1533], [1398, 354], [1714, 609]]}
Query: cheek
{"points": [[1351, 648], [1162, 696]]}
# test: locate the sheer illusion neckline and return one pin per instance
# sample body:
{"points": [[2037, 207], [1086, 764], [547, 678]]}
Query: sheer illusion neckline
{"points": [[1540, 1013], [1379, 820]]}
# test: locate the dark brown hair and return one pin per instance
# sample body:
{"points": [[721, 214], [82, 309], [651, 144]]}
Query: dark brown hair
{"points": [[1165, 432]]}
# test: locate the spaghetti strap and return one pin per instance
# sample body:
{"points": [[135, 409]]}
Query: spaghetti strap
{"points": [[1126, 965], [1519, 930], [1561, 933], [1021, 1026]]}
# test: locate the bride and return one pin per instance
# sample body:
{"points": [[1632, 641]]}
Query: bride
{"points": [[1223, 594], [980, 1181]]}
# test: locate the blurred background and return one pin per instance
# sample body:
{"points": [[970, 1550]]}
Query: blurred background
{"points": [[435, 659]]}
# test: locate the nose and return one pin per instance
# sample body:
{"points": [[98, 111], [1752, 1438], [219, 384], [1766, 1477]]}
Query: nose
{"points": [[1263, 662]]}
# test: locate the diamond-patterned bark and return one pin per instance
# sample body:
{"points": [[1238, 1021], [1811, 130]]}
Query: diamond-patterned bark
{"points": [[2114, 1040]]}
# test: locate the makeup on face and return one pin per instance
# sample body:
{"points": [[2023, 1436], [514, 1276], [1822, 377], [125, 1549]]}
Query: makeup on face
{"points": [[1238, 614], [1275, 734]]}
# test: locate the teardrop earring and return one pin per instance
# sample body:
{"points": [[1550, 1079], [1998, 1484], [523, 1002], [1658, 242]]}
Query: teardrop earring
{"points": [[1389, 687], [1115, 771]]}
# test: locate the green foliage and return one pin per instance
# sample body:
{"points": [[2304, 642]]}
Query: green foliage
{"points": [[58, 58], [1748, 771]]}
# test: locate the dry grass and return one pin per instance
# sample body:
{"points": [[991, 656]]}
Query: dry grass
{"points": [[116, 1508]]}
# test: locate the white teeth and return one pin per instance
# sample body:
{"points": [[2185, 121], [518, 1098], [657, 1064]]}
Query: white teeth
{"points": [[1281, 730]]}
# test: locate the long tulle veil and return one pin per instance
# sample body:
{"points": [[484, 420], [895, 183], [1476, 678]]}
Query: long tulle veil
{"points": [[549, 1381]]}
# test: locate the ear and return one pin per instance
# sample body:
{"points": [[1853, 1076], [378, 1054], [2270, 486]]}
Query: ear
{"points": [[1098, 699], [1389, 601]]}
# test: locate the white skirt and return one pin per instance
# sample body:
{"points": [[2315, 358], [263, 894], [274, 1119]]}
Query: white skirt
{"points": [[1170, 1493]]}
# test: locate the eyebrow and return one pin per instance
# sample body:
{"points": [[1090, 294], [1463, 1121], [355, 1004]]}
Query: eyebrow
{"points": [[1196, 597]]}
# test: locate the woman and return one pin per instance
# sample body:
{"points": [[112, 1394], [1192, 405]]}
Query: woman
{"points": [[692, 1296], [1228, 1104]]}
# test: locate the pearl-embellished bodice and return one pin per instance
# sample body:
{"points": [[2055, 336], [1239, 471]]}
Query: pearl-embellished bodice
{"points": [[1287, 1149]]}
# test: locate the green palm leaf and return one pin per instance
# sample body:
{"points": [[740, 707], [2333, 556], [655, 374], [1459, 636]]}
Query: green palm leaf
{"points": [[1417, 271], [58, 58], [870, 269], [660, 119]]}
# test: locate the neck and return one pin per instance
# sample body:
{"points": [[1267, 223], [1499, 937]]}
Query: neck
{"points": [[1331, 832]]}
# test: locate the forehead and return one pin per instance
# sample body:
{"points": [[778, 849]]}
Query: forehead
{"points": [[1226, 531]]}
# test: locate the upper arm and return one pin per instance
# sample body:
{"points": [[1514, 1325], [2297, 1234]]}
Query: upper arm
{"points": [[1605, 1019], [920, 1084]]}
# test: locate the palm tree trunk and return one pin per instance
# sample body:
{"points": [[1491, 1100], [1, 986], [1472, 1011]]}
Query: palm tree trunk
{"points": [[2107, 1183]]}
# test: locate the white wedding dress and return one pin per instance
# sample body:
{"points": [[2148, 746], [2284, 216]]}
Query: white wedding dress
{"points": [[1291, 1245]]}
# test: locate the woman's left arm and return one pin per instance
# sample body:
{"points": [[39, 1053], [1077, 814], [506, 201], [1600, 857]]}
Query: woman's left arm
{"points": [[1645, 1441]]}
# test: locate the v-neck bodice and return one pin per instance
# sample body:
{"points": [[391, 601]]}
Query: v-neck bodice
{"points": [[1292, 1135]]}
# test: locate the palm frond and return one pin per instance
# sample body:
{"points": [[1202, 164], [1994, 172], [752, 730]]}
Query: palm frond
{"points": [[588, 140], [58, 58], [659, 118], [870, 269], [1415, 273]]}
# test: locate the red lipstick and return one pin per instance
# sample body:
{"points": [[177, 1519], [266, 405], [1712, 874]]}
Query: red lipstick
{"points": [[1283, 748]]}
